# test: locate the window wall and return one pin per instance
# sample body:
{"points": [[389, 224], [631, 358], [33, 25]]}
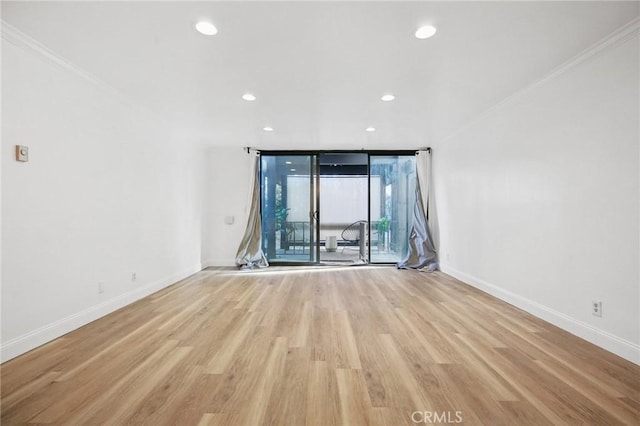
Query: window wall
{"points": [[342, 207]]}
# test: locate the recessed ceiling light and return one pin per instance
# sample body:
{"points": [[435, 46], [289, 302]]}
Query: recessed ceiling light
{"points": [[388, 97], [293, 170], [425, 32], [288, 162], [249, 97], [206, 28], [370, 129], [267, 129]]}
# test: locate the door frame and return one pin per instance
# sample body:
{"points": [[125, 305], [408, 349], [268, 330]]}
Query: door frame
{"points": [[315, 180]]}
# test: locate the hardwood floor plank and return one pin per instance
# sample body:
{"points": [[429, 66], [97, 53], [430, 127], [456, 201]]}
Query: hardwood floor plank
{"points": [[384, 390], [419, 398], [29, 389], [574, 405], [216, 328], [209, 419], [230, 346], [355, 405], [255, 410], [125, 396], [323, 402], [524, 413], [301, 333], [135, 411], [32, 366], [321, 336], [288, 399], [427, 337], [470, 389], [473, 324], [345, 342], [569, 361], [319, 346], [99, 357], [594, 393], [524, 385], [484, 376], [243, 374], [189, 406], [617, 376], [519, 339], [508, 314]]}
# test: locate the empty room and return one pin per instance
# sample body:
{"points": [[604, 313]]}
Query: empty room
{"points": [[320, 212]]}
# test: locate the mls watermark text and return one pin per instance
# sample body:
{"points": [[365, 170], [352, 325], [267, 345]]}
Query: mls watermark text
{"points": [[436, 417]]}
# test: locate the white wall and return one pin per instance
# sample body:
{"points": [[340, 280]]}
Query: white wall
{"points": [[538, 200], [108, 191], [227, 189]]}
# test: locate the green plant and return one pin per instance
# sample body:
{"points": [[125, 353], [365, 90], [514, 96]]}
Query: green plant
{"points": [[281, 212], [383, 224], [281, 216]]}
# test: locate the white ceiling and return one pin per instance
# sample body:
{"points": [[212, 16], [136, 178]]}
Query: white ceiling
{"points": [[318, 69]]}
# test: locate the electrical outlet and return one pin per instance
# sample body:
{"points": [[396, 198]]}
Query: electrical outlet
{"points": [[100, 287], [133, 277], [596, 308]]}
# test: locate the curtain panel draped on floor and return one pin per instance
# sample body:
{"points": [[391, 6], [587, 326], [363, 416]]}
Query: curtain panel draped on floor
{"points": [[250, 252], [421, 253]]}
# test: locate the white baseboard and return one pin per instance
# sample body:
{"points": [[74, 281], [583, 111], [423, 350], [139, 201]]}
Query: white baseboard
{"points": [[49, 332], [621, 347]]}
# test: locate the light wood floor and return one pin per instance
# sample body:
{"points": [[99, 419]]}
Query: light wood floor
{"points": [[320, 347]]}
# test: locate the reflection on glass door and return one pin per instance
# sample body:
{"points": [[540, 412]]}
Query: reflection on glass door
{"points": [[289, 211], [393, 183]]}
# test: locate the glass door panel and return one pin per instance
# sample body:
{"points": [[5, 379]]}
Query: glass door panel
{"points": [[344, 217], [393, 183], [289, 208]]}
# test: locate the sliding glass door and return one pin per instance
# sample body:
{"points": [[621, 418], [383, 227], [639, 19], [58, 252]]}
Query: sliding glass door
{"points": [[337, 207], [289, 208], [393, 184]]}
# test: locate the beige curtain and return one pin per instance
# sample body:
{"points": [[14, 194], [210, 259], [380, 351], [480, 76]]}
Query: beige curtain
{"points": [[421, 253], [249, 254]]}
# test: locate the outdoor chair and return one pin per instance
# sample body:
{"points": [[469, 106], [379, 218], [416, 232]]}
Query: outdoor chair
{"points": [[351, 234]]}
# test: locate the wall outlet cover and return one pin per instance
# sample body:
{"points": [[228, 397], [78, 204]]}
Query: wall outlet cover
{"points": [[596, 308], [22, 153]]}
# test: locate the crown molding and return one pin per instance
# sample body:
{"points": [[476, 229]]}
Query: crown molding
{"points": [[621, 35], [618, 37], [19, 39]]}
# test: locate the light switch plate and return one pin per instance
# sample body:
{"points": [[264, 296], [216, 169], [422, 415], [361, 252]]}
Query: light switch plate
{"points": [[22, 153], [229, 220]]}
